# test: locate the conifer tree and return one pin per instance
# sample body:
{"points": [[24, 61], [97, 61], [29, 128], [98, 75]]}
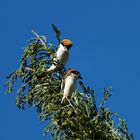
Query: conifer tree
{"points": [[42, 90]]}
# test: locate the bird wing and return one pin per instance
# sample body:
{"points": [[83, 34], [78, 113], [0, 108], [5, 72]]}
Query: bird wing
{"points": [[63, 82], [62, 85]]}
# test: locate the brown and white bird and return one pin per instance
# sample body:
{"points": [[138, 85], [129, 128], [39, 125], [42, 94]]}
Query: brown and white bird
{"points": [[69, 83], [62, 54]]}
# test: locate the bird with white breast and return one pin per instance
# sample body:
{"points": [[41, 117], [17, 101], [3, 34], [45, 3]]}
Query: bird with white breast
{"points": [[62, 54], [69, 84]]}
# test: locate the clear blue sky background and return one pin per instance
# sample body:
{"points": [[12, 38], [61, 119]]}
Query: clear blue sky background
{"points": [[106, 37]]}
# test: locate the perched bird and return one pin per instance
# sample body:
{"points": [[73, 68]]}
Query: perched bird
{"points": [[69, 83], [62, 54]]}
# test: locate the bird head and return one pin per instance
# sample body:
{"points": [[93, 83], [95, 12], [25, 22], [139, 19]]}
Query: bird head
{"points": [[76, 73], [66, 43]]}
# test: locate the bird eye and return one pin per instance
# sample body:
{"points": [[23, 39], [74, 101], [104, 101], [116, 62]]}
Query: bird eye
{"points": [[76, 73]]}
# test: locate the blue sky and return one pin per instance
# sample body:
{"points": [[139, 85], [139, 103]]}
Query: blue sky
{"points": [[106, 50]]}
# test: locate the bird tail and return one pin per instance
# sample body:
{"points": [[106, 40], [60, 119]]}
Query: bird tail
{"points": [[63, 100], [51, 69]]}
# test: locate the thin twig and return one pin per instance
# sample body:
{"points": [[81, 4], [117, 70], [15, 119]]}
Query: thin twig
{"points": [[71, 105], [30, 69], [43, 43]]}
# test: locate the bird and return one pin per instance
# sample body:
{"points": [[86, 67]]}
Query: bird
{"points": [[69, 84], [62, 54]]}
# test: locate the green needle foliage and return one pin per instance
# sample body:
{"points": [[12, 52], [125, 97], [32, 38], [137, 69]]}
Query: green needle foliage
{"points": [[82, 120]]}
